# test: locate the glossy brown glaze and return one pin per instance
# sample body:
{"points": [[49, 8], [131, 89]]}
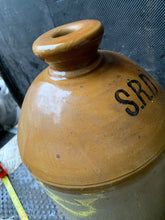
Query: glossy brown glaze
{"points": [[92, 117], [71, 46]]}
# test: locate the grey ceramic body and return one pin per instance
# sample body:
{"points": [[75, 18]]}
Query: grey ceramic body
{"points": [[142, 198]]}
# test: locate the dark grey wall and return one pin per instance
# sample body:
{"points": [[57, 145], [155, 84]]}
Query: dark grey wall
{"points": [[134, 28]]}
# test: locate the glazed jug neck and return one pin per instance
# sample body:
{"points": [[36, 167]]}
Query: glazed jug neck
{"points": [[70, 47], [61, 75]]}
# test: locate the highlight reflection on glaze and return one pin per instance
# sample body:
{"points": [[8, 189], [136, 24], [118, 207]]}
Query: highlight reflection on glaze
{"points": [[47, 47], [56, 100]]}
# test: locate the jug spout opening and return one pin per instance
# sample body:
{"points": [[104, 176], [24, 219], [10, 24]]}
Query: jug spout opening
{"points": [[70, 47]]}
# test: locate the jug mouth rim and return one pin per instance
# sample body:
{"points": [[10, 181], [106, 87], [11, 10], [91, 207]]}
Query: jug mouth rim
{"points": [[67, 36], [71, 46]]}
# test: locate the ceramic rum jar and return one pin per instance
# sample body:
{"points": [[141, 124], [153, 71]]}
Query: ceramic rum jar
{"points": [[92, 129]]}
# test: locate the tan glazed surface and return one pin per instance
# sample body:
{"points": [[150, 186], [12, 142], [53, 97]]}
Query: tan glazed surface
{"points": [[92, 117]]}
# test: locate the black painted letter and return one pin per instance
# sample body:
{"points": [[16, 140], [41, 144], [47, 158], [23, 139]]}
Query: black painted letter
{"points": [[148, 83], [138, 91], [128, 102]]}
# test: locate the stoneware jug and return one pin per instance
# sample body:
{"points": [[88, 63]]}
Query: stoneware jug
{"points": [[92, 129]]}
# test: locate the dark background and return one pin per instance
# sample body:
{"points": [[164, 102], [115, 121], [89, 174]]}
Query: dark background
{"points": [[135, 28]]}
